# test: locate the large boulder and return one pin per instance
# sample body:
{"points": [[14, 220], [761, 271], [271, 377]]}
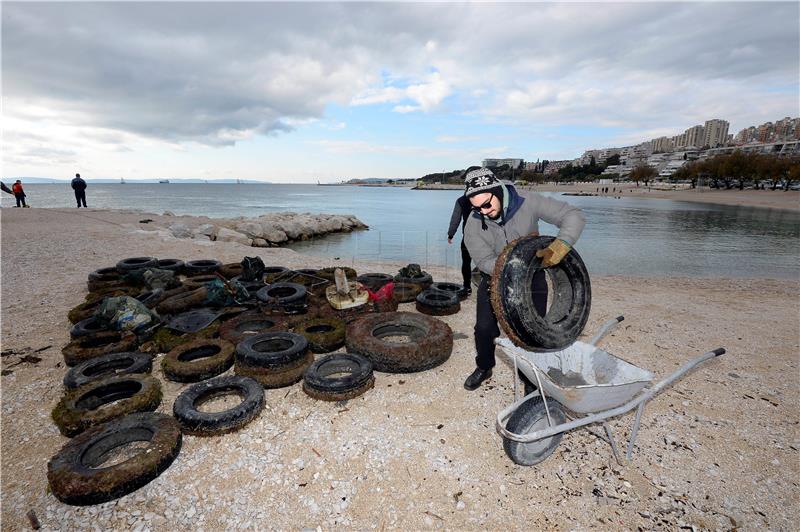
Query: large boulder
{"points": [[251, 229], [229, 235], [180, 230], [207, 230], [273, 234]]}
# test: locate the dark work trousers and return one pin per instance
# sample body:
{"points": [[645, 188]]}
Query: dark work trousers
{"points": [[466, 266], [80, 197], [486, 329], [20, 199]]}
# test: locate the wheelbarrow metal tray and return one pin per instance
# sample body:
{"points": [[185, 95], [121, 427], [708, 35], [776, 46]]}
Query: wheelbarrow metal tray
{"points": [[586, 379]]}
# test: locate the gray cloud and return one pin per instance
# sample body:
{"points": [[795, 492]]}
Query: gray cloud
{"points": [[215, 73]]}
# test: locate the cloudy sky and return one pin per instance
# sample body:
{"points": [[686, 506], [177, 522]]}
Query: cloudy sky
{"points": [[324, 91]]}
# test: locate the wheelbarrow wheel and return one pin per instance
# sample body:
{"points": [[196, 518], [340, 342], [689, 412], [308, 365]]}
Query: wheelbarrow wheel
{"points": [[529, 417]]}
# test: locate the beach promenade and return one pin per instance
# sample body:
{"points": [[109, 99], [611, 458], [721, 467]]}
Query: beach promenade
{"points": [[718, 450]]}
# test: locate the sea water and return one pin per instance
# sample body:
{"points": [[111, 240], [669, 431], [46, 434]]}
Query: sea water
{"points": [[627, 236]]}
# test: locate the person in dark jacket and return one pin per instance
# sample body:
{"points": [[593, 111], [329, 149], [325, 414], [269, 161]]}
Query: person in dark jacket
{"points": [[19, 193], [461, 211], [501, 215], [5, 189], [79, 186]]}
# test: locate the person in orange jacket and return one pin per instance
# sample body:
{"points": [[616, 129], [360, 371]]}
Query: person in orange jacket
{"points": [[19, 194]]}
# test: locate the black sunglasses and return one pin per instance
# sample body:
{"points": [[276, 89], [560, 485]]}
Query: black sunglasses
{"points": [[486, 205]]}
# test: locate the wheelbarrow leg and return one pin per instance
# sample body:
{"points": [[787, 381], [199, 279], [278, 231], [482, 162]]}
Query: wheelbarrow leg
{"points": [[635, 430], [613, 443]]}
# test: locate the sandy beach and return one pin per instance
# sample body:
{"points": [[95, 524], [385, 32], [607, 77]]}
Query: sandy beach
{"points": [[718, 450]]}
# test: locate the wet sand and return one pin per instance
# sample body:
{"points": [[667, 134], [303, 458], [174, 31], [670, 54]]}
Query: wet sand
{"points": [[719, 449]]}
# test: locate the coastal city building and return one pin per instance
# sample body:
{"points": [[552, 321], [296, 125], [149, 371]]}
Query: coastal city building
{"points": [[716, 133], [494, 163]]}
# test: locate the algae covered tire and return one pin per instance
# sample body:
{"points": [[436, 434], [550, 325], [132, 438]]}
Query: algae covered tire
{"points": [[90, 404], [107, 365], [423, 342], [74, 473], [512, 296], [279, 294], [231, 270], [406, 292], [198, 360], [276, 377], [338, 377], [437, 303], [323, 334], [94, 345], [531, 416], [248, 324], [271, 350], [182, 301], [195, 422]]}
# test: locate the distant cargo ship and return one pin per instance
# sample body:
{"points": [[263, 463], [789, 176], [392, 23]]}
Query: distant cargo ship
{"points": [[164, 181]]}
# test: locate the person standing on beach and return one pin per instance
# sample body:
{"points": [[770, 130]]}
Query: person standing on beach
{"points": [[79, 186], [461, 211], [501, 215], [19, 193]]}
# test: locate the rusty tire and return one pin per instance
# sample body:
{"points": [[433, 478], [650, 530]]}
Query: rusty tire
{"points": [[512, 299], [276, 376], [182, 301], [430, 341], [354, 377], [84, 407], [197, 423], [248, 324], [74, 474], [406, 292], [106, 366], [95, 345], [323, 334], [198, 360]]}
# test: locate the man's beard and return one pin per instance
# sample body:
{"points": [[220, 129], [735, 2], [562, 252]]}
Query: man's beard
{"points": [[496, 216]]}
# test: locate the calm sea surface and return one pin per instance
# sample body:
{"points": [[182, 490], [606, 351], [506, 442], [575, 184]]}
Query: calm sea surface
{"points": [[628, 236]]}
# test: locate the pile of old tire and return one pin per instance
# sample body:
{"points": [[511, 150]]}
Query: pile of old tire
{"points": [[197, 423], [400, 342], [512, 296], [406, 292], [438, 303], [198, 360], [338, 377], [77, 474], [91, 403], [274, 359], [93, 345], [324, 334]]}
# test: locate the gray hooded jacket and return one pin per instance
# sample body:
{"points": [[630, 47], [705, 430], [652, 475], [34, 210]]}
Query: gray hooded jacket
{"points": [[486, 245]]}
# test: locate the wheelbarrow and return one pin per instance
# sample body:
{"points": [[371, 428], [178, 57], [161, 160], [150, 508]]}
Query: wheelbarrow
{"points": [[575, 387]]}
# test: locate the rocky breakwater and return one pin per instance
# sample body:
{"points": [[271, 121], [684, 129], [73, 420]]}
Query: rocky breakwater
{"points": [[268, 230]]}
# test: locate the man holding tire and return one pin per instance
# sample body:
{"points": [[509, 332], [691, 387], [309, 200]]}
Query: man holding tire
{"points": [[499, 216]]}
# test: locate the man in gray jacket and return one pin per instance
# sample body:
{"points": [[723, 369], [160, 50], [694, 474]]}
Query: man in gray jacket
{"points": [[501, 215]]}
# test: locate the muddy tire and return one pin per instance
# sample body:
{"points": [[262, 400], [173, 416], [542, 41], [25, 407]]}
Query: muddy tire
{"points": [[84, 407], [99, 286], [84, 310], [512, 297], [98, 344], [198, 360], [323, 334], [249, 324], [274, 272], [276, 377], [197, 423], [271, 350], [374, 281], [282, 294], [87, 327], [529, 417], [424, 280], [136, 263], [454, 288], [231, 270], [406, 292], [183, 301], [202, 266], [338, 377], [199, 281], [106, 366], [111, 291], [436, 303], [75, 476], [151, 298], [428, 341], [105, 275], [173, 265]]}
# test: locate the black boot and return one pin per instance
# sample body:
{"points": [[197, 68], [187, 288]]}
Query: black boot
{"points": [[476, 378]]}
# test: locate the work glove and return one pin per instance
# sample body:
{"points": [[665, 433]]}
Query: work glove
{"points": [[552, 254]]}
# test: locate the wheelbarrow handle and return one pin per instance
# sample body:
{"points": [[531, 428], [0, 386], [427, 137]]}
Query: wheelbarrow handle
{"points": [[605, 329], [719, 351]]}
